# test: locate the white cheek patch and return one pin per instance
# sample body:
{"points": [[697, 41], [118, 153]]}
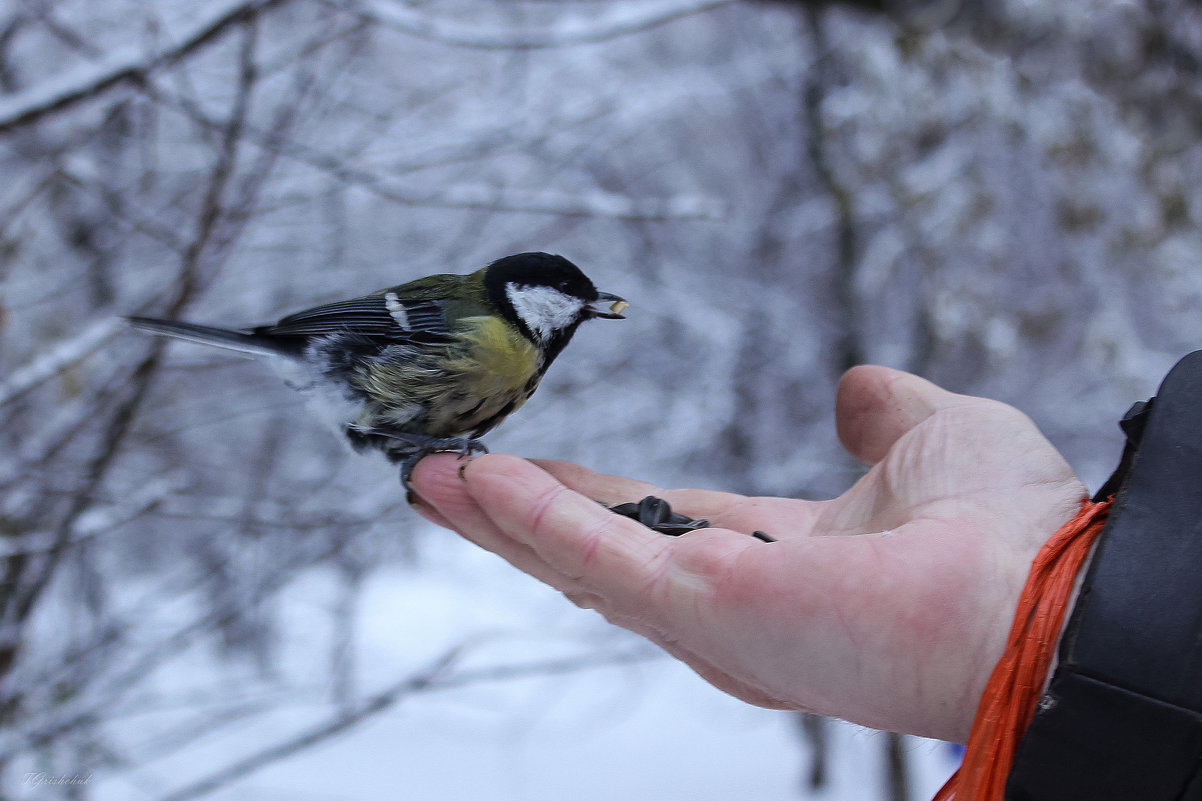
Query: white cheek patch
{"points": [[396, 310], [544, 309]]}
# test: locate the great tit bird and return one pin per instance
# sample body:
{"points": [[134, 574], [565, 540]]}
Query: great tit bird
{"points": [[431, 365]]}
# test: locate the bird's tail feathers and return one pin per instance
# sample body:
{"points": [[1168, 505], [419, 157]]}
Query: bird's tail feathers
{"points": [[251, 344]]}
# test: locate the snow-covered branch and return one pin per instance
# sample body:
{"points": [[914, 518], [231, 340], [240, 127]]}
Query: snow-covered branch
{"points": [[97, 519], [58, 357], [125, 65], [618, 19], [593, 203]]}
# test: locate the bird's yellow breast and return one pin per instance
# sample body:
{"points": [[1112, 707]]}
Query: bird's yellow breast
{"points": [[496, 373], [499, 354], [487, 372]]}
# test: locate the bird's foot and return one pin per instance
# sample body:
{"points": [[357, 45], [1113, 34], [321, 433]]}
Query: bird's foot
{"points": [[420, 446]]}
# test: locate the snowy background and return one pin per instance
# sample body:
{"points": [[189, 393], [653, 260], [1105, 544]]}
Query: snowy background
{"points": [[205, 595]]}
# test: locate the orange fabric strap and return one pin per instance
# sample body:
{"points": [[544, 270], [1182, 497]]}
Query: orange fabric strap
{"points": [[1008, 703]]}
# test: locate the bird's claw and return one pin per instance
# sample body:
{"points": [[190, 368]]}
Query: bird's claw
{"points": [[423, 446]]}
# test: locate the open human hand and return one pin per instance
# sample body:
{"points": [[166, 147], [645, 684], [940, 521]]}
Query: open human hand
{"points": [[887, 606]]}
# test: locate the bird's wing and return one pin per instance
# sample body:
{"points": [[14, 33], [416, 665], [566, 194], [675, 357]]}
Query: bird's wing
{"points": [[383, 315]]}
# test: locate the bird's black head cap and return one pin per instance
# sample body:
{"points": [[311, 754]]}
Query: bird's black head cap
{"points": [[534, 270], [537, 269]]}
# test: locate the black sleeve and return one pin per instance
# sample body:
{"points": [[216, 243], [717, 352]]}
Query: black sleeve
{"points": [[1122, 716]]}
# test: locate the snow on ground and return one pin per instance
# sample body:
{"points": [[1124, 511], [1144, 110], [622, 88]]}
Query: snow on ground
{"points": [[643, 729]]}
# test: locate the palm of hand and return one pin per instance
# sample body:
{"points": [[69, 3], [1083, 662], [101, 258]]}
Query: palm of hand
{"points": [[887, 605]]}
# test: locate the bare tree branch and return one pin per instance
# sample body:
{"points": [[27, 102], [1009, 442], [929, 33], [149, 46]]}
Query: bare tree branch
{"points": [[849, 351], [28, 573], [436, 676], [595, 203], [114, 686]]}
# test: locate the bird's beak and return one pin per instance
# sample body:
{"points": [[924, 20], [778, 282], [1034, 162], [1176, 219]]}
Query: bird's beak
{"points": [[617, 305]]}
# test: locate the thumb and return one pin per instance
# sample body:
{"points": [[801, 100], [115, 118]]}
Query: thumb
{"points": [[875, 406]]}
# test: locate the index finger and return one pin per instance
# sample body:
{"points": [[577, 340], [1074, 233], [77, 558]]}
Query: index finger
{"points": [[571, 533]]}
